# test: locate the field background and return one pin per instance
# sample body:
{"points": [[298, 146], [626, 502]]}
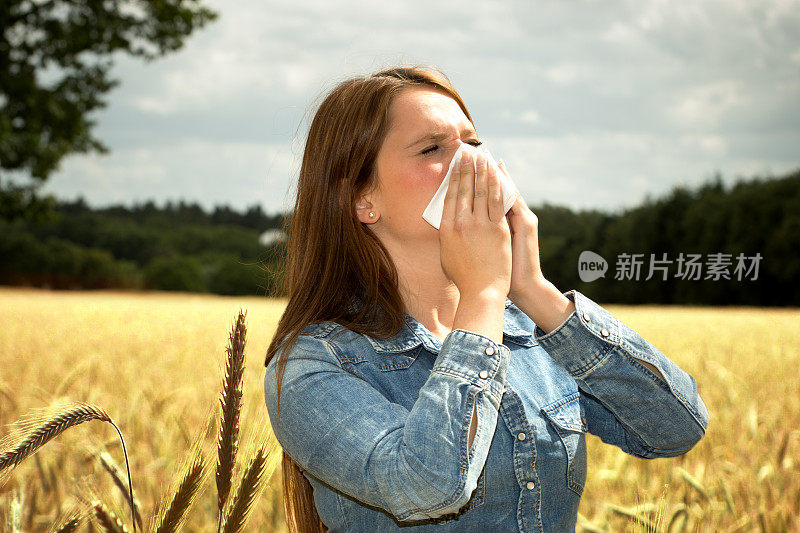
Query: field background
{"points": [[155, 363]]}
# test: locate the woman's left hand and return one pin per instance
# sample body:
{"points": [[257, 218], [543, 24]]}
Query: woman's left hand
{"points": [[526, 270]]}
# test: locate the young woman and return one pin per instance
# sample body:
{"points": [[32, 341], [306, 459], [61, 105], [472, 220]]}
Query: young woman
{"points": [[435, 380]]}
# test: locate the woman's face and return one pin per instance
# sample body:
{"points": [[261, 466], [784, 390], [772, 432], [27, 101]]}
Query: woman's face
{"points": [[426, 127]]}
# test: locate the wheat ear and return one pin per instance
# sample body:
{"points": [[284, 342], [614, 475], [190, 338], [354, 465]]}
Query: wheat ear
{"points": [[249, 488], [107, 519], [70, 525], [231, 402], [54, 426], [176, 512]]}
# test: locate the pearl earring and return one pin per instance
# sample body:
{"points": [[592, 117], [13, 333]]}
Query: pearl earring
{"points": [[371, 214]]}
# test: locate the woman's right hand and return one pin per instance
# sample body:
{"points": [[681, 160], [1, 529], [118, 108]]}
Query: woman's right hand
{"points": [[474, 233]]}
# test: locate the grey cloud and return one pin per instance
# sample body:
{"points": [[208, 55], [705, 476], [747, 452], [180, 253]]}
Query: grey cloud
{"points": [[628, 97]]}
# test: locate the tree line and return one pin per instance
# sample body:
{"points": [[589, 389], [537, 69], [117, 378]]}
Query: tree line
{"points": [[710, 245], [757, 218], [178, 246]]}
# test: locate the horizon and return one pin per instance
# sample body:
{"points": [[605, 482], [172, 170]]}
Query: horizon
{"points": [[163, 203]]}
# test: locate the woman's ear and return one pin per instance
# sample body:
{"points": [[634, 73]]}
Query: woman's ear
{"points": [[365, 211]]}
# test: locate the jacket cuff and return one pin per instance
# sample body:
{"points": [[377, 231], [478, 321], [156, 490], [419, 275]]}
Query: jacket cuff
{"points": [[477, 359], [580, 342]]}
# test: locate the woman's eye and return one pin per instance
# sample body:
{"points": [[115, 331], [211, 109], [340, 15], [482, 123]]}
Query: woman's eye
{"points": [[435, 147], [430, 150]]}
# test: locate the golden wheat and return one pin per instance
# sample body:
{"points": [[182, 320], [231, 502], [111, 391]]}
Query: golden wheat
{"points": [[175, 513], [69, 526], [121, 481], [231, 402], [43, 428], [154, 363], [50, 429], [249, 488], [107, 519]]}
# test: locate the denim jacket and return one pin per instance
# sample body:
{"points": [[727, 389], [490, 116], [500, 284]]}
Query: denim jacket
{"points": [[380, 427]]}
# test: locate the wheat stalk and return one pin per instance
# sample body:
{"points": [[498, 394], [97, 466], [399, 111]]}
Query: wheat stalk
{"points": [[76, 372], [31, 508], [6, 391], [176, 512], [108, 520], [681, 517], [693, 482], [249, 488], [635, 514], [120, 481], [15, 513], [231, 402]]}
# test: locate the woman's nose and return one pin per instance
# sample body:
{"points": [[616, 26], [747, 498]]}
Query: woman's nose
{"points": [[470, 149]]}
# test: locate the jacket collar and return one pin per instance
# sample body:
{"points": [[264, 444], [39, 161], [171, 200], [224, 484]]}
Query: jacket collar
{"points": [[414, 333]]}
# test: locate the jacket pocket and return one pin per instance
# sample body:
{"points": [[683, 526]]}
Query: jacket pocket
{"points": [[567, 418]]}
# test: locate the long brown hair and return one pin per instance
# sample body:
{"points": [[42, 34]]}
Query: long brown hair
{"points": [[336, 268]]}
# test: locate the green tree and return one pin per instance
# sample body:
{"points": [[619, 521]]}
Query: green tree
{"points": [[72, 43], [177, 273]]}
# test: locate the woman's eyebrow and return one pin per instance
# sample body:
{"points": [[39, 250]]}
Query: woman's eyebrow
{"points": [[439, 135]]}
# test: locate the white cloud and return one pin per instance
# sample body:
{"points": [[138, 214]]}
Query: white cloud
{"points": [[711, 144], [795, 57], [568, 73], [531, 116], [621, 34], [703, 106]]}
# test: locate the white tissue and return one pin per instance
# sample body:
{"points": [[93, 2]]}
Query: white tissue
{"points": [[433, 212]]}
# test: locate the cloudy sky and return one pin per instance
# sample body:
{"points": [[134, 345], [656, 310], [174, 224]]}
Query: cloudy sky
{"points": [[591, 104]]}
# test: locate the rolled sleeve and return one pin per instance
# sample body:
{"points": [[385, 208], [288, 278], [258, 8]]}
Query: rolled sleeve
{"points": [[627, 404], [416, 464]]}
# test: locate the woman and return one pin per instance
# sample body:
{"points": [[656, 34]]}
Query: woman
{"points": [[435, 380]]}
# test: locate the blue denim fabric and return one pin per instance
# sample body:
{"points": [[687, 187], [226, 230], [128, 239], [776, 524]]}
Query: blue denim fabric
{"points": [[380, 427]]}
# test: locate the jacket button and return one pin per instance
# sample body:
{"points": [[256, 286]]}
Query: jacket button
{"points": [[489, 351], [521, 435], [530, 485], [483, 374], [586, 316], [604, 332]]}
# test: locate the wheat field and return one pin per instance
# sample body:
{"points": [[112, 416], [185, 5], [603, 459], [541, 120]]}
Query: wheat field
{"points": [[155, 363]]}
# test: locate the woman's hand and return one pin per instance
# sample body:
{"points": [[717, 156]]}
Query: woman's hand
{"points": [[474, 234], [526, 271], [530, 291]]}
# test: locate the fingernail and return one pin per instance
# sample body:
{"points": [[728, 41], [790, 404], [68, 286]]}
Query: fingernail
{"points": [[464, 158], [458, 159]]}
